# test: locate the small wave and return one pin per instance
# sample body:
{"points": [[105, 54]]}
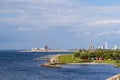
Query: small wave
{"points": [[43, 57]]}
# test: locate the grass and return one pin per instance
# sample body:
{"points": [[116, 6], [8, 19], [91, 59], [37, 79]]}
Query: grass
{"points": [[68, 58], [117, 64], [110, 61]]}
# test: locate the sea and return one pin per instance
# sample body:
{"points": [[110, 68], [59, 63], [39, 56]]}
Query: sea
{"points": [[15, 65]]}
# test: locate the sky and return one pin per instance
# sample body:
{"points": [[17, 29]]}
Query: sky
{"points": [[61, 24]]}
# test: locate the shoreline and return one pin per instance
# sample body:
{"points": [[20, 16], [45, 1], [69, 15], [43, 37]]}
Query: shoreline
{"points": [[114, 77], [55, 60], [91, 63], [52, 62]]}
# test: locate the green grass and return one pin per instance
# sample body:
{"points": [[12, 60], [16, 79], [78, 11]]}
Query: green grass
{"points": [[66, 58], [110, 61], [117, 64]]}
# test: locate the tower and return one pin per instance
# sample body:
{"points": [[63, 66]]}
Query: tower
{"points": [[91, 47], [115, 47], [106, 47], [46, 47]]}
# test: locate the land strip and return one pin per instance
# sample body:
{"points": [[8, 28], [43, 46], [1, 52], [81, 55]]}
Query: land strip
{"points": [[115, 77]]}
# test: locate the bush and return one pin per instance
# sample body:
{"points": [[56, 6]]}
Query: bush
{"points": [[77, 54], [83, 55]]}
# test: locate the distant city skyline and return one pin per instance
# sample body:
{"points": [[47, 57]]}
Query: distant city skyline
{"points": [[63, 24]]}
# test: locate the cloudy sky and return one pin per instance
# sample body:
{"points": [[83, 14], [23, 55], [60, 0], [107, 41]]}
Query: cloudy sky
{"points": [[63, 24]]}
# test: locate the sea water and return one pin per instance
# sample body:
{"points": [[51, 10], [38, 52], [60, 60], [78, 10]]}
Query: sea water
{"points": [[16, 65]]}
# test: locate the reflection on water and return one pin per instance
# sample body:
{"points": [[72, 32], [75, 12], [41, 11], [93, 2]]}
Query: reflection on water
{"points": [[21, 66]]}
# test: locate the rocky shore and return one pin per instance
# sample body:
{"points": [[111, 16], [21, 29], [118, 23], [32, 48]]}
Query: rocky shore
{"points": [[52, 62], [115, 77]]}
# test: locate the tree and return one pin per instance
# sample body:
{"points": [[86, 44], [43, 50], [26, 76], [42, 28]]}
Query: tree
{"points": [[108, 56], [77, 54], [80, 50], [84, 55], [91, 55], [116, 56], [99, 53]]}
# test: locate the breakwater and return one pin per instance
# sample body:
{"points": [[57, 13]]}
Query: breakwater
{"points": [[50, 66], [115, 77]]}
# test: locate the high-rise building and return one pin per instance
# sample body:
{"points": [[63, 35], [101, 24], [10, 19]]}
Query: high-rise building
{"points": [[116, 47], [106, 47], [91, 46], [46, 47]]}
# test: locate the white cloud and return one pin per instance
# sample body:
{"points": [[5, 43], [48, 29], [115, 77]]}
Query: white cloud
{"points": [[87, 33], [103, 33], [45, 13], [109, 33], [117, 32], [102, 22], [22, 29], [74, 16]]}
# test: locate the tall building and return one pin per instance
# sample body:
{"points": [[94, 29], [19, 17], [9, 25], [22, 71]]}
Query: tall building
{"points": [[91, 46], [117, 47], [106, 47], [46, 47]]}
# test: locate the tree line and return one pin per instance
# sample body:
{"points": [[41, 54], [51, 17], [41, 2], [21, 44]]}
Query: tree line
{"points": [[98, 54]]}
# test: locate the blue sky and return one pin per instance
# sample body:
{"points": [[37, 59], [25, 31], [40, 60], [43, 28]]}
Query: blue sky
{"points": [[62, 24]]}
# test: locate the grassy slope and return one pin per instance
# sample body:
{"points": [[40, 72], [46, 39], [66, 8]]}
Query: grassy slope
{"points": [[68, 58]]}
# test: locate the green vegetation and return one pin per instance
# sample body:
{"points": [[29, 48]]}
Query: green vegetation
{"points": [[66, 58], [117, 64], [97, 56]]}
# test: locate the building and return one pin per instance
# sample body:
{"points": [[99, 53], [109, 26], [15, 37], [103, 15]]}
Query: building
{"points": [[106, 47], [116, 47], [46, 47], [91, 46]]}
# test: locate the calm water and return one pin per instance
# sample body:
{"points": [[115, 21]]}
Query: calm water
{"points": [[22, 66]]}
